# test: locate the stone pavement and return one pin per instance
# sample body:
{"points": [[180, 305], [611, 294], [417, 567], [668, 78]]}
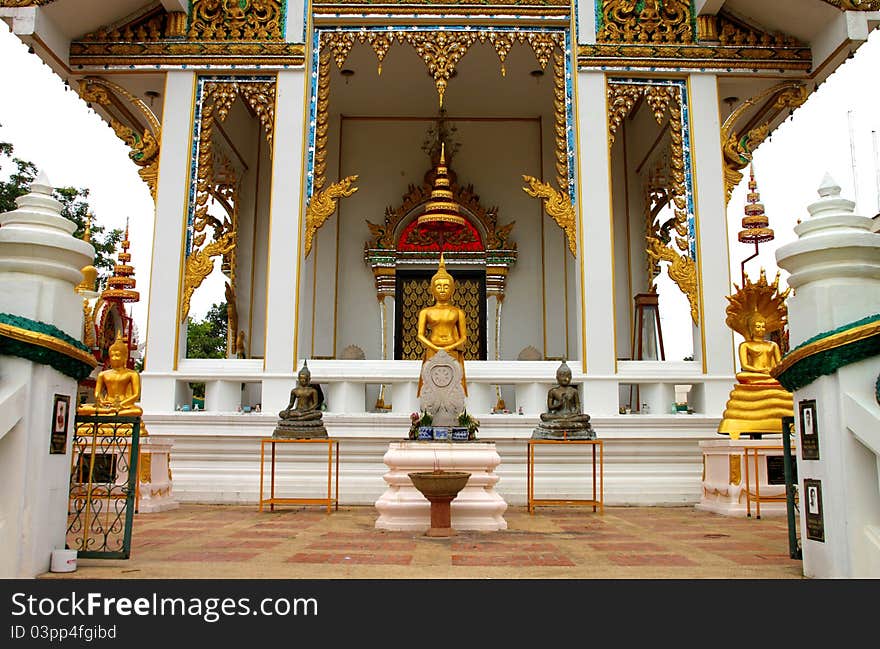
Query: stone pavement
{"points": [[239, 542]]}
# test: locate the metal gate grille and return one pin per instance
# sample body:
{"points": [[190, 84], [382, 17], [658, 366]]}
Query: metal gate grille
{"points": [[103, 483]]}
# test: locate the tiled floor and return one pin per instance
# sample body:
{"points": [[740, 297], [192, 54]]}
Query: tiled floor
{"points": [[232, 542]]}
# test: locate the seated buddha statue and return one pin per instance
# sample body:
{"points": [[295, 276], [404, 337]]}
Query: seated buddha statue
{"points": [[302, 418], [117, 389], [564, 419], [757, 402], [443, 325]]}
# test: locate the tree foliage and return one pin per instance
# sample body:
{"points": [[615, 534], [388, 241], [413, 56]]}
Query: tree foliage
{"points": [[207, 338], [74, 203]]}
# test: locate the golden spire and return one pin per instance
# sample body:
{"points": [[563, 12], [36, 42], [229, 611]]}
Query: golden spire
{"points": [[441, 272], [441, 212], [120, 286], [755, 222], [87, 234]]}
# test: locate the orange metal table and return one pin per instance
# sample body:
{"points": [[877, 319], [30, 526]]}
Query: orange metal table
{"points": [[329, 501], [595, 502]]}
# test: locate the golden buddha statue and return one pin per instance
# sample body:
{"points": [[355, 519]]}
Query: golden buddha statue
{"points": [[757, 402], [118, 389], [443, 325]]}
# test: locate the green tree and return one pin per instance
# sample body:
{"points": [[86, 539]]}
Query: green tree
{"points": [[74, 203], [207, 338]]}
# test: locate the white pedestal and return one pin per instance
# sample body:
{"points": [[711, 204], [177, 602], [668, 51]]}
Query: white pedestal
{"points": [[724, 476], [154, 477], [477, 507]]}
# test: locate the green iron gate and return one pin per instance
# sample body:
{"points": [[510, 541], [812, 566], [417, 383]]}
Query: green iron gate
{"points": [[103, 486]]}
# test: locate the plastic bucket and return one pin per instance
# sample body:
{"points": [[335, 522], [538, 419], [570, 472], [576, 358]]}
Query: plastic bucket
{"points": [[63, 561]]}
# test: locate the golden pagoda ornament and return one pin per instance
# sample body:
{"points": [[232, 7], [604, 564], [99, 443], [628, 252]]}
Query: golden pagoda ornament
{"points": [[120, 287], [442, 213]]}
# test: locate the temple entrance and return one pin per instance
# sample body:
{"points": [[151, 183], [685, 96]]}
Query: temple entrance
{"points": [[413, 293]]}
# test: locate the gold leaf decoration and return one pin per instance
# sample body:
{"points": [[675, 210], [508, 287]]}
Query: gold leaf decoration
{"points": [[738, 147], [657, 21], [250, 20], [558, 207], [199, 265], [441, 51], [322, 204], [682, 271], [144, 141]]}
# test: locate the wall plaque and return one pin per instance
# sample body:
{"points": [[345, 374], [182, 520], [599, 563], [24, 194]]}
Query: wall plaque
{"points": [[809, 429], [60, 415], [776, 470], [813, 506]]}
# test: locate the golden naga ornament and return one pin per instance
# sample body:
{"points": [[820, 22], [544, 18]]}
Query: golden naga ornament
{"points": [[199, 265], [323, 204], [558, 207], [757, 402]]}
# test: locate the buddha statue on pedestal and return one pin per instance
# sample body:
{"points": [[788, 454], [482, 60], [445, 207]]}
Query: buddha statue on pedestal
{"points": [[302, 418], [117, 389], [757, 402], [564, 419], [443, 325]]}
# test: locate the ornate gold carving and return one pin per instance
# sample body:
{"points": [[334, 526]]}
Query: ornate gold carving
{"points": [[175, 24], [88, 326], [146, 467], [321, 121], [625, 55], [261, 98], [621, 99], [441, 51], [559, 120], [657, 21], [558, 207], [731, 31], [737, 147], [497, 236], [176, 52], [257, 20], [735, 475], [855, 5], [682, 271], [502, 42], [144, 142], [340, 44], [199, 265], [322, 204]]}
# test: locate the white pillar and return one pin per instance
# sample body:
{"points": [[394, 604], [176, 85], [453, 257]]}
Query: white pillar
{"points": [[714, 341], [595, 244], [835, 277], [286, 223], [40, 264], [165, 340]]}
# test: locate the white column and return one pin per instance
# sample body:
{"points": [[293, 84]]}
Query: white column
{"points": [[286, 223], [165, 341], [595, 243], [40, 264], [713, 264], [835, 277]]}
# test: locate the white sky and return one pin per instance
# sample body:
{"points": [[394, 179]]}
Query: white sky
{"points": [[51, 127]]}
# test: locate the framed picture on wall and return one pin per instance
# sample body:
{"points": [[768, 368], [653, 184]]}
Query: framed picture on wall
{"points": [[60, 415], [809, 426]]}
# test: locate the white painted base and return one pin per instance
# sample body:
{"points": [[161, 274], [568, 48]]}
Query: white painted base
{"points": [[155, 492], [477, 507], [724, 486]]}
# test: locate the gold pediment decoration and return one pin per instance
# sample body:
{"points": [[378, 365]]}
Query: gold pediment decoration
{"points": [[143, 137], [384, 235], [730, 31], [738, 141], [236, 20], [655, 21]]}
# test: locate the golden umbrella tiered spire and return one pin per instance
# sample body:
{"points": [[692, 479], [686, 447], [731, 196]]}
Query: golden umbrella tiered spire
{"points": [[755, 221], [442, 212], [120, 286]]}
